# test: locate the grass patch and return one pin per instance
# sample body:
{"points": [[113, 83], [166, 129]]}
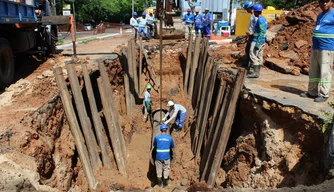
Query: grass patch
{"points": [[60, 41], [88, 40]]}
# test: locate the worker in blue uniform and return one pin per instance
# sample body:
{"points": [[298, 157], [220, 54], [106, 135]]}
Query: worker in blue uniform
{"points": [[322, 56], [198, 23], [163, 145], [259, 41], [248, 6], [207, 20], [188, 18], [142, 21]]}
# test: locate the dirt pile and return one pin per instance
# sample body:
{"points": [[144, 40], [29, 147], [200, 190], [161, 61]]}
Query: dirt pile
{"points": [[289, 42], [293, 41]]}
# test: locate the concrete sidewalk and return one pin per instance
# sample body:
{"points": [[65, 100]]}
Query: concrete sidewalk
{"points": [[285, 89]]}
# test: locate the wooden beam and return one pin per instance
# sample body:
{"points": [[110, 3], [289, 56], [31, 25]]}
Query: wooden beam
{"points": [[135, 71], [128, 97], [113, 133], [188, 63], [74, 127], [140, 63], [96, 118], [207, 160], [111, 107], [199, 117], [194, 66], [130, 72], [227, 127], [212, 132], [208, 98], [203, 61], [84, 119]]}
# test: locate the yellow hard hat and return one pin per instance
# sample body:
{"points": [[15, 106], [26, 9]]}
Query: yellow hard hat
{"points": [[151, 11]]}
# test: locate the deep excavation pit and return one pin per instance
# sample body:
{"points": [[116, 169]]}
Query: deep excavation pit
{"points": [[270, 146]]}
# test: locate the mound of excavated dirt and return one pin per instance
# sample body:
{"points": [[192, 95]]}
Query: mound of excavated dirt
{"points": [[293, 42], [289, 42]]}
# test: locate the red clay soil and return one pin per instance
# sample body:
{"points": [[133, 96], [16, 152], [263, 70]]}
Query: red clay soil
{"points": [[292, 43]]}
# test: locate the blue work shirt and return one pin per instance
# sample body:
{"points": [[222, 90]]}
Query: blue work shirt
{"points": [[207, 19], [323, 33], [199, 21], [260, 31], [189, 19], [163, 143]]}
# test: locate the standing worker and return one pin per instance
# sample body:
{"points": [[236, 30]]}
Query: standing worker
{"points": [[163, 144], [188, 18], [150, 25], [322, 56], [147, 101], [142, 25], [134, 23], [248, 6], [179, 112], [207, 20], [258, 43], [198, 23]]}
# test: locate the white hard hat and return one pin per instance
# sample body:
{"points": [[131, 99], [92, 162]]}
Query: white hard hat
{"points": [[170, 103], [206, 9]]}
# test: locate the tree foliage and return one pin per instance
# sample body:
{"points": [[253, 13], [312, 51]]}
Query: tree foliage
{"points": [[93, 11]]}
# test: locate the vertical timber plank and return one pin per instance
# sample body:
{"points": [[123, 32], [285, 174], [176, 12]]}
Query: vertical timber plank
{"points": [[111, 104], [208, 98], [188, 63], [84, 119], [199, 117], [114, 137], [194, 66], [96, 118], [227, 127], [75, 129], [126, 77]]}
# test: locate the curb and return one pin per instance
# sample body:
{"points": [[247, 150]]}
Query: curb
{"points": [[83, 39]]}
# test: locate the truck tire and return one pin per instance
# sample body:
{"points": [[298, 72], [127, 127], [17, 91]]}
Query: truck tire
{"points": [[7, 64]]}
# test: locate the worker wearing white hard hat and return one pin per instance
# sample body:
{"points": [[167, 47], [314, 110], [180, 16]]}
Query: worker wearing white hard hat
{"points": [[179, 112]]}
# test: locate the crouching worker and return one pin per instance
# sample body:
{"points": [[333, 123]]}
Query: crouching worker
{"points": [[179, 112], [163, 144]]}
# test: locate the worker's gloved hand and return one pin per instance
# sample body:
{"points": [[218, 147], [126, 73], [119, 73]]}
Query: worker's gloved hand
{"points": [[164, 119]]}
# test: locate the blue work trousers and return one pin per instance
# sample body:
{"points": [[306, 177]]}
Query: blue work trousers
{"points": [[142, 30], [207, 31], [197, 29], [180, 118]]}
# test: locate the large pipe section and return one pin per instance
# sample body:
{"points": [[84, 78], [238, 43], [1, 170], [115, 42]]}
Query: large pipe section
{"points": [[155, 123]]}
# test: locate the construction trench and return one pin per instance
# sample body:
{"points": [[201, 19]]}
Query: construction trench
{"points": [[233, 139]]}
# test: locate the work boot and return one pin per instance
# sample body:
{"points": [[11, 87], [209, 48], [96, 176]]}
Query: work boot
{"points": [[320, 99], [250, 69], [256, 72], [308, 95], [160, 182], [165, 183]]}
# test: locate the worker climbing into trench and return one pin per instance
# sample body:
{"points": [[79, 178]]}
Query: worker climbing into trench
{"points": [[163, 144], [179, 113]]}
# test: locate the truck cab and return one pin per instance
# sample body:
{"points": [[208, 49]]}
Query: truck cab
{"points": [[23, 32]]}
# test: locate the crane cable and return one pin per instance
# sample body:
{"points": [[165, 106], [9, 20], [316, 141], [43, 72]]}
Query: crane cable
{"points": [[160, 41]]}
